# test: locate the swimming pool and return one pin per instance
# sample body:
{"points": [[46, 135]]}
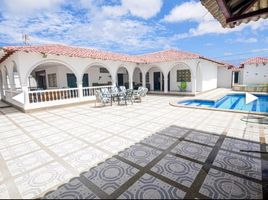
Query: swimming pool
{"points": [[232, 102]]}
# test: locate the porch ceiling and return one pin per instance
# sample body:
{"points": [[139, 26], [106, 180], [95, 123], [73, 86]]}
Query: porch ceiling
{"points": [[231, 13]]}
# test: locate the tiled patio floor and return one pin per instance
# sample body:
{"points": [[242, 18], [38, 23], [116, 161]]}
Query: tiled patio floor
{"points": [[146, 150]]}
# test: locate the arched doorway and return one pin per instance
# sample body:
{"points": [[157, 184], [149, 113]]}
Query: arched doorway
{"points": [[97, 75], [180, 78], [137, 78], [16, 78], [51, 75], [123, 77], [156, 79]]}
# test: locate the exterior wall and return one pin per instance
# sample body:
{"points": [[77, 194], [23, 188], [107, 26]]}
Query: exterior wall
{"points": [[209, 75], [173, 79], [255, 74], [224, 77], [94, 76]]}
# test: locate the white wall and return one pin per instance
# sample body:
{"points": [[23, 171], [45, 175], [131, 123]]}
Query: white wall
{"points": [[224, 77], [173, 79], [255, 74], [209, 75], [94, 76]]}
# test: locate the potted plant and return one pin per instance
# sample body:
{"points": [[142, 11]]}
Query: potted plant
{"points": [[183, 86]]}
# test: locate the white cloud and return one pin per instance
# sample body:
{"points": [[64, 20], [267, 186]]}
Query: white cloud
{"points": [[28, 6], [143, 8], [188, 11], [206, 23]]}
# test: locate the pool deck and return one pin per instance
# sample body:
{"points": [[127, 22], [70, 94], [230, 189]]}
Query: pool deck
{"points": [[113, 152]]}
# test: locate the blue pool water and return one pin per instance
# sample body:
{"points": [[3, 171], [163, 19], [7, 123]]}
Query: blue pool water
{"points": [[233, 102]]}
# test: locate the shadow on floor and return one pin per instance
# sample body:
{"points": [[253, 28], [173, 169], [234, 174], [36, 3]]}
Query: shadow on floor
{"points": [[176, 163]]}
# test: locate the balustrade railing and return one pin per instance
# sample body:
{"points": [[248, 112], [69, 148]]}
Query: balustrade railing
{"points": [[90, 91], [52, 95]]}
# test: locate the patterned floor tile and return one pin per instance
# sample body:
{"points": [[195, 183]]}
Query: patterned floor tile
{"points": [[54, 139], [149, 187], [191, 150], [28, 162], [96, 136], [18, 150], [159, 141], [136, 134], [174, 131], [177, 169], [67, 147], [220, 185], [115, 144], [72, 190], [110, 175], [86, 158], [242, 164], [140, 154], [202, 138], [4, 192], [34, 183], [7, 142], [238, 145]]}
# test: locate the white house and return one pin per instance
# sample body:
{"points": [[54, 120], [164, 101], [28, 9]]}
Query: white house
{"points": [[254, 71], [40, 76]]}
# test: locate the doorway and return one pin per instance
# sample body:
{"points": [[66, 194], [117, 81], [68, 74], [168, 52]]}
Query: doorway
{"points": [[236, 77], [120, 79], [41, 79], [157, 83]]}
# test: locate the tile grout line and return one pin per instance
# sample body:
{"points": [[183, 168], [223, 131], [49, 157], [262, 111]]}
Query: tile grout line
{"points": [[264, 164], [43, 147], [200, 178]]}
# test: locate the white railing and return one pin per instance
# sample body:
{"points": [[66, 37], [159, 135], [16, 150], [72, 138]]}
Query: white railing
{"points": [[90, 91], [53, 95]]}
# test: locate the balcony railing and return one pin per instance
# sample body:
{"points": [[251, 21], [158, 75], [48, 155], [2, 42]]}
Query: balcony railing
{"points": [[52, 95], [90, 91]]}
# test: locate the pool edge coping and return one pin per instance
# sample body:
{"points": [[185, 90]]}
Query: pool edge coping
{"points": [[175, 104]]}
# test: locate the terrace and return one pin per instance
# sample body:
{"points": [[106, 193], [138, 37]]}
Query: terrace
{"points": [[144, 150]]}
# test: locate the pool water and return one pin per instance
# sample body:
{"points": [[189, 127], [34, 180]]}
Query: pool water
{"points": [[233, 102]]}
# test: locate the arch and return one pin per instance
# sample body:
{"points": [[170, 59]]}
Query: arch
{"points": [[137, 77], [6, 80], [173, 84], [16, 76], [156, 78], [95, 77], [124, 77], [47, 74], [49, 61]]}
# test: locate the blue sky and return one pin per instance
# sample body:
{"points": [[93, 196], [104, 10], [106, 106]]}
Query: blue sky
{"points": [[130, 26]]}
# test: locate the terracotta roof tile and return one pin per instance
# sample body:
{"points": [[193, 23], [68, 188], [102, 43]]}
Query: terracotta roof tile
{"points": [[255, 60], [162, 56]]}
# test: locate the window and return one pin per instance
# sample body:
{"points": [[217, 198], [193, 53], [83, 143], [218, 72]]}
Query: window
{"points": [[104, 70], [147, 77], [52, 80], [140, 77], [184, 75]]}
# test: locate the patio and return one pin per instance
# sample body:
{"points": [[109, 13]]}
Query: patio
{"points": [[131, 152]]}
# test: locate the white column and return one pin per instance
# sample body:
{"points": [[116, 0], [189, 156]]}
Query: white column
{"points": [[194, 85], [26, 95], [165, 82], [80, 90], [144, 79], [130, 80]]}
